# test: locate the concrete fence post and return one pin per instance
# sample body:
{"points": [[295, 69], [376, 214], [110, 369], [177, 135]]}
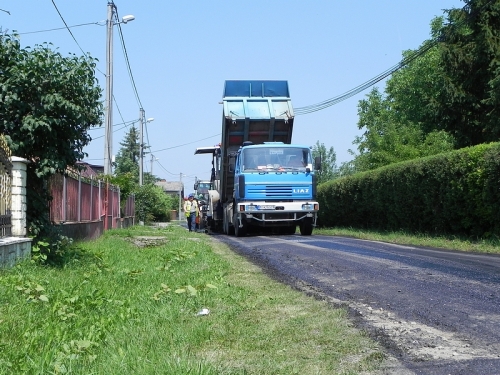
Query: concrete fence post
{"points": [[18, 191]]}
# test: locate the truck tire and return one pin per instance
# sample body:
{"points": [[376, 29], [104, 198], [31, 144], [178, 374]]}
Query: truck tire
{"points": [[306, 227]]}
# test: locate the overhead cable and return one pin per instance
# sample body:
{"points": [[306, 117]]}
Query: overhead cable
{"points": [[327, 103], [60, 28], [185, 144], [405, 61], [122, 40]]}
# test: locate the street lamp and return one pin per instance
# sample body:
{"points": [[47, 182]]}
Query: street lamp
{"points": [[108, 136], [141, 145]]}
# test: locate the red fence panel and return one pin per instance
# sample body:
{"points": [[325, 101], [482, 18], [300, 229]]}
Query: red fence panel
{"points": [[96, 200], [129, 209], [56, 186], [77, 199], [72, 199], [85, 199], [115, 203]]}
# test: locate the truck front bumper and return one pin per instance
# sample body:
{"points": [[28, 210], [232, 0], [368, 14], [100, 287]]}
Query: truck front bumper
{"points": [[277, 213]]}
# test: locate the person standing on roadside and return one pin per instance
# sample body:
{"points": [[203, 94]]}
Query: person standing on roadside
{"points": [[191, 210], [198, 214]]}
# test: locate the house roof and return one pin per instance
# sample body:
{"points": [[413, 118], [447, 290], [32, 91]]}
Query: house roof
{"points": [[90, 171], [170, 186]]}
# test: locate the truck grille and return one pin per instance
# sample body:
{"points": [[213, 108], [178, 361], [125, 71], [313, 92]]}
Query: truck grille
{"points": [[278, 191]]}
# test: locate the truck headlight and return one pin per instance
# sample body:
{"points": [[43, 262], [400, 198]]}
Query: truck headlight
{"points": [[251, 207], [307, 207]]}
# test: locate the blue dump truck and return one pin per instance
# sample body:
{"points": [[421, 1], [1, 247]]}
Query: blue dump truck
{"points": [[260, 179]]}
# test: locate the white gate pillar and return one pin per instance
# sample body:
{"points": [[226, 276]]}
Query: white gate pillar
{"points": [[18, 194]]}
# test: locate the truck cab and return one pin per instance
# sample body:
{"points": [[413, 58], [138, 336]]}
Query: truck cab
{"points": [[274, 186]]}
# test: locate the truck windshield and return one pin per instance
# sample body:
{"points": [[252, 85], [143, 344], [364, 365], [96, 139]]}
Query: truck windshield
{"points": [[276, 158], [204, 187]]}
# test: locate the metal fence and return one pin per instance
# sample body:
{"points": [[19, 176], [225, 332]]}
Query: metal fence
{"points": [[5, 190], [79, 199]]}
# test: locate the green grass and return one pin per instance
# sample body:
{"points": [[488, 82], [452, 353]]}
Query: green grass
{"points": [[491, 246], [116, 307]]}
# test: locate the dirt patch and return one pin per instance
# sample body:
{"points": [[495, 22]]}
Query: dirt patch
{"points": [[148, 241]]}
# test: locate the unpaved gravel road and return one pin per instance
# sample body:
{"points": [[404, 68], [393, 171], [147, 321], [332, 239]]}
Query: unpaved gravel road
{"points": [[435, 311]]}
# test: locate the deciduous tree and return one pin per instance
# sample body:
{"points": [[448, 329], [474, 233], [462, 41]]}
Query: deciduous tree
{"points": [[328, 162], [389, 137], [47, 105]]}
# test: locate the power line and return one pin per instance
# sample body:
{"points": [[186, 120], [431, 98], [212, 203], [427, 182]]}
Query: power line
{"points": [[124, 48], [124, 51], [61, 28], [185, 144], [114, 131], [126, 123], [67, 27], [405, 61], [327, 103], [162, 167]]}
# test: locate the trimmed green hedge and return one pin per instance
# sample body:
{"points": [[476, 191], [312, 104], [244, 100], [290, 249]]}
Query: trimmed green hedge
{"points": [[451, 193]]}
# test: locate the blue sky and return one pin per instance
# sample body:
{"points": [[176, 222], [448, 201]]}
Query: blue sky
{"points": [[181, 53]]}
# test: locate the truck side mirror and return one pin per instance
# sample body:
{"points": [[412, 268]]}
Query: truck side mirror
{"points": [[317, 163], [195, 186]]}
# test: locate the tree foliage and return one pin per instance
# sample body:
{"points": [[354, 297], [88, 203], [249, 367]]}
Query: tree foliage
{"points": [[403, 123], [47, 105], [127, 159], [470, 60], [152, 204], [389, 137], [328, 162], [446, 98]]}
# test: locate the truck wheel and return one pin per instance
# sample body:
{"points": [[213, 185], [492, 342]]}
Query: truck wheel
{"points": [[306, 227]]}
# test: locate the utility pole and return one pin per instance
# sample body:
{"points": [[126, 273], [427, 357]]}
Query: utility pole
{"points": [[141, 147], [180, 195], [108, 137], [153, 158]]}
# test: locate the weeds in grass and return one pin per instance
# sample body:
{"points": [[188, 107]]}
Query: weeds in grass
{"points": [[116, 308]]}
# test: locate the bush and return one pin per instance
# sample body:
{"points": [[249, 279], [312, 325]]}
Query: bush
{"points": [[152, 204], [451, 193]]}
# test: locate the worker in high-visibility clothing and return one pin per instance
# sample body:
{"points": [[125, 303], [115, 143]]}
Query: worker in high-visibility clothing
{"points": [[191, 210]]}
